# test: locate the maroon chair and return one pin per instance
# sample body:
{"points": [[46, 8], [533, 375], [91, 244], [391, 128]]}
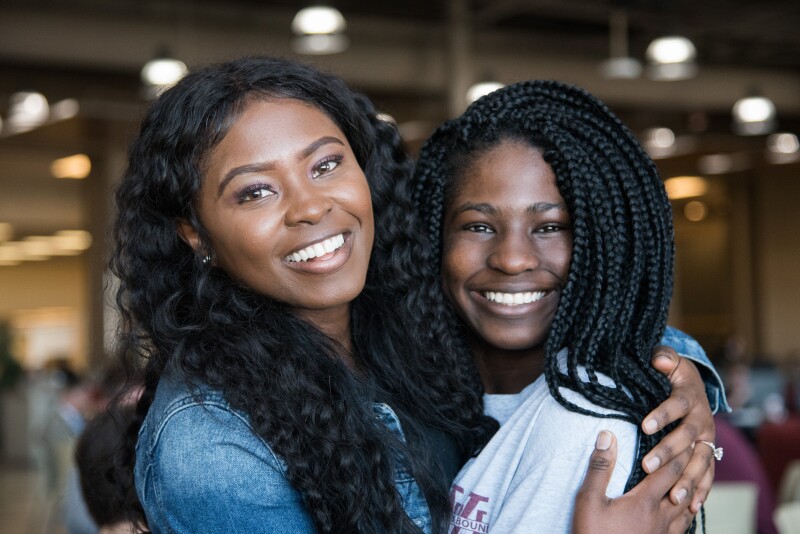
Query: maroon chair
{"points": [[778, 444], [741, 463]]}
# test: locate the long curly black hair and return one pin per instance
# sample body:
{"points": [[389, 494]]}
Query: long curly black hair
{"points": [[614, 305], [181, 313]]}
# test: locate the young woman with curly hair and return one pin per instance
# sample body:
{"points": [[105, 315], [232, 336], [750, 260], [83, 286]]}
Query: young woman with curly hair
{"points": [[290, 385], [551, 255], [278, 368]]}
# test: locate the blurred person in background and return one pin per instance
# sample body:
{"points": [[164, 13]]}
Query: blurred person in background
{"points": [[107, 490]]}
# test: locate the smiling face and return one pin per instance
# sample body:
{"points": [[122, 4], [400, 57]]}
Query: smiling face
{"points": [[287, 207], [507, 244]]}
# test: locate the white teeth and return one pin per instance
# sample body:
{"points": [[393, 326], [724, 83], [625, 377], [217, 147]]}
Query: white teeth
{"points": [[514, 299], [317, 249]]}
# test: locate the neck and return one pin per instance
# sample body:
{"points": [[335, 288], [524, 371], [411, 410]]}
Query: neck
{"points": [[507, 371], [334, 323]]}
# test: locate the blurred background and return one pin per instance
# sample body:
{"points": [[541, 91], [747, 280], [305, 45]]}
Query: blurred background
{"points": [[711, 88]]}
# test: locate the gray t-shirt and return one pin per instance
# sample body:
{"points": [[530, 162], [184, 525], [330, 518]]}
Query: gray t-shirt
{"points": [[526, 478]]}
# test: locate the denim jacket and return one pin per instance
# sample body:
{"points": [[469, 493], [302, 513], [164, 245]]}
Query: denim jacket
{"points": [[686, 346], [201, 468]]}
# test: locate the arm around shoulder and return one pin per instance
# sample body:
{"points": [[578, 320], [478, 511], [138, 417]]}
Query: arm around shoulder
{"points": [[687, 347]]}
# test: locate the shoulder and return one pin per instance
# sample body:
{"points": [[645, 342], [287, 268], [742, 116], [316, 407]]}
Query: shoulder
{"points": [[565, 432], [196, 427], [200, 462]]}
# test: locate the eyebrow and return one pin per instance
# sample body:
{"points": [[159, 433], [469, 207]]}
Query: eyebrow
{"points": [[541, 207], [269, 165], [488, 209]]}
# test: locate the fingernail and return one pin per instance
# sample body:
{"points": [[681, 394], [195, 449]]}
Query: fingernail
{"points": [[653, 464], [603, 441], [664, 357], [680, 495], [650, 426]]}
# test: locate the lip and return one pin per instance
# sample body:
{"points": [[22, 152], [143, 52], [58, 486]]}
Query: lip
{"points": [[328, 264]]}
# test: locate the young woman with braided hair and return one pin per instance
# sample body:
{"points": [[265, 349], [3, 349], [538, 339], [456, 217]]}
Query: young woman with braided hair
{"points": [[288, 387], [551, 250]]}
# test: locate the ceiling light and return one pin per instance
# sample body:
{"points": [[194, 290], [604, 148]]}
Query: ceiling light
{"points": [[318, 20], [482, 89], [686, 187], [319, 30], [64, 109], [671, 58], [660, 137], [695, 211], [783, 148], [659, 142], [783, 143], [11, 252], [27, 110], [672, 49], [36, 248], [754, 115], [163, 71], [72, 240], [75, 167], [620, 65]]}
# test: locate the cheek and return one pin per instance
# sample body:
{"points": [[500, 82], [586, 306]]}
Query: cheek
{"points": [[453, 273], [356, 197], [566, 258]]}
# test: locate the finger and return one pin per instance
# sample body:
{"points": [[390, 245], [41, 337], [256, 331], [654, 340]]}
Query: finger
{"points": [[665, 359], [681, 521], [601, 466], [692, 477], [681, 438], [703, 489], [687, 391], [660, 482]]}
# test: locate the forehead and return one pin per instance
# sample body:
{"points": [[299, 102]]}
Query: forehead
{"points": [[276, 124], [510, 172]]}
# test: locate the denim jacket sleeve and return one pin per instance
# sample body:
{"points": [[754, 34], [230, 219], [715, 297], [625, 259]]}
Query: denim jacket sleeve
{"points": [[201, 468], [689, 348]]}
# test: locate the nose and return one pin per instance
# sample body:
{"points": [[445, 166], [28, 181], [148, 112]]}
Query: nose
{"points": [[513, 253], [307, 203]]}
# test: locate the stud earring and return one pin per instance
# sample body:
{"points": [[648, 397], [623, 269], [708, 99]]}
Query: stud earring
{"points": [[206, 259]]}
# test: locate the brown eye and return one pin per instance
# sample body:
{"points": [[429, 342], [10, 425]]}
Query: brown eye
{"points": [[478, 228], [325, 166], [256, 192]]}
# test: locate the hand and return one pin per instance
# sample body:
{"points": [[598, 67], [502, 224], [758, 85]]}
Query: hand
{"points": [[689, 403], [643, 509]]}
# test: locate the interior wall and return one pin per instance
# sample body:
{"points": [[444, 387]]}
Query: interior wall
{"points": [[58, 284], [777, 256]]}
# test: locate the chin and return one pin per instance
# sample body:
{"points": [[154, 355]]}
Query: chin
{"points": [[514, 342]]}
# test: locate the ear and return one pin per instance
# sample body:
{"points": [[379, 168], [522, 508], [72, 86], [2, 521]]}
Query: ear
{"points": [[188, 234]]}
